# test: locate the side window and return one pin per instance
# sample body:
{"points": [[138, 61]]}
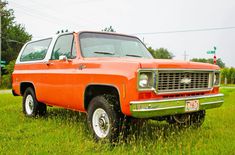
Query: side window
{"points": [[65, 45], [35, 51]]}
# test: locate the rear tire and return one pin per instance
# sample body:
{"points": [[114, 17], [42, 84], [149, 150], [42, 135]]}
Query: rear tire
{"points": [[104, 118], [31, 107]]}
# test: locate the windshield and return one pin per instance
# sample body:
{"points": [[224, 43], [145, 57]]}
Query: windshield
{"points": [[110, 45]]}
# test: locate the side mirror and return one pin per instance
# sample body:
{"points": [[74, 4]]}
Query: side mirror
{"points": [[63, 58]]}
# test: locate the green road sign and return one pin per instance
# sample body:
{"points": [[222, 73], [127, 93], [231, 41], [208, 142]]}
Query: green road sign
{"points": [[2, 65], [210, 52]]}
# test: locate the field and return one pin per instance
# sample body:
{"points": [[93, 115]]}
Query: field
{"points": [[65, 132]]}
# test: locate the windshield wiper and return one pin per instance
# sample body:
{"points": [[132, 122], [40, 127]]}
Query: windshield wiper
{"points": [[102, 52], [132, 55]]}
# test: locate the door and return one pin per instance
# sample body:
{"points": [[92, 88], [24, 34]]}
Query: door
{"points": [[61, 79]]}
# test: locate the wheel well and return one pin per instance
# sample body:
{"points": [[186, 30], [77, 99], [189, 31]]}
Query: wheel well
{"points": [[95, 90], [24, 86]]}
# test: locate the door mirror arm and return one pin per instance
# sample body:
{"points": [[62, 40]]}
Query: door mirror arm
{"points": [[63, 58]]}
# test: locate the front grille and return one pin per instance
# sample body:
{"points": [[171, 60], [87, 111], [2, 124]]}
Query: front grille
{"points": [[182, 81]]}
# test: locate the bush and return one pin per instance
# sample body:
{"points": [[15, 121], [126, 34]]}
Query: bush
{"points": [[6, 79]]}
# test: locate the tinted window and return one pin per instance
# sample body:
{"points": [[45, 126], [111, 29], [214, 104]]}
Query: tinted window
{"points": [[36, 50], [110, 45], [65, 45]]}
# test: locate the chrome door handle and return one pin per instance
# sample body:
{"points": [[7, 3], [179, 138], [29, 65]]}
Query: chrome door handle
{"points": [[82, 66], [48, 63]]}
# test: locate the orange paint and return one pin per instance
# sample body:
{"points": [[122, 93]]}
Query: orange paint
{"points": [[63, 84]]}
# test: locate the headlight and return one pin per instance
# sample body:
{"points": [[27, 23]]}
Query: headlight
{"points": [[216, 78], [146, 80], [143, 82]]}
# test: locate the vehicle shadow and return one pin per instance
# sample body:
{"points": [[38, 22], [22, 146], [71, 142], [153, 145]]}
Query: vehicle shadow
{"points": [[66, 116], [151, 130]]}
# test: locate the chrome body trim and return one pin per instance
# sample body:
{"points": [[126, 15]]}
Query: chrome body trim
{"points": [[207, 103], [167, 108], [173, 106], [156, 73], [177, 99]]}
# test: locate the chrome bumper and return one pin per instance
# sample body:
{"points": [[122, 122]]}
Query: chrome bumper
{"points": [[164, 107]]}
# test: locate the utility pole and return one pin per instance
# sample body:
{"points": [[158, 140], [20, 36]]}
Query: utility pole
{"points": [[185, 56], [1, 6]]}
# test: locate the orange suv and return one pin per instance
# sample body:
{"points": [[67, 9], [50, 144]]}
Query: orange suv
{"points": [[111, 77]]}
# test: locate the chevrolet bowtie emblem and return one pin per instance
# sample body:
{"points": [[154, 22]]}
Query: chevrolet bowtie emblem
{"points": [[185, 81]]}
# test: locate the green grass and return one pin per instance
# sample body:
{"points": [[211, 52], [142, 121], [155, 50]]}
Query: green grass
{"points": [[65, 132], [228, 85]]}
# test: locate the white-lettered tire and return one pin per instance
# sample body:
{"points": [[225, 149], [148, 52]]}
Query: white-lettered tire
{"points": [[31, 107], [104, 118]]}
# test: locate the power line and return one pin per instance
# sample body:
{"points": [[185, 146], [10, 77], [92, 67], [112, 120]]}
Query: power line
{"points": [[38, 15], [37, 12], [182, 31], [56, 11]]}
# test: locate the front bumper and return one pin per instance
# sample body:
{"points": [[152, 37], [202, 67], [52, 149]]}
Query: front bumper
{"points": [[164, 107]]}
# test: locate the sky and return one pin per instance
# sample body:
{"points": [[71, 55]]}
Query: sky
{"points": [[142, 18]]}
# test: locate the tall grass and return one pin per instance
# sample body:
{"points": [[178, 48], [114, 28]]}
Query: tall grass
{"points": [[66, 132]]}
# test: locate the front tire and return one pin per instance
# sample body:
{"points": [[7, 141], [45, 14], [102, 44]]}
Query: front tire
{"points": [[31, 107], [104, 118]]}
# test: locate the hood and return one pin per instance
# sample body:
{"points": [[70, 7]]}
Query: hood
{"points": [[159, 63], [175, 64]]}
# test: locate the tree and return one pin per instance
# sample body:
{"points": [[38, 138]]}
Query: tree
{"points": [[232, 75], [160, 53], [6, 79], [224, 75], [13, 38], [13, 35], [199, 60], [108, 29], [219, 61], [229, 75]]}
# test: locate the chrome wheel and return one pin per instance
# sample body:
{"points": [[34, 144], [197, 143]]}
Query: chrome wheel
{"points": [[29, 104], [101, 123]]}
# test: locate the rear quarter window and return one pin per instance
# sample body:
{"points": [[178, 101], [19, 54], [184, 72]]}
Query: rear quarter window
{"points": [[35, 50]]}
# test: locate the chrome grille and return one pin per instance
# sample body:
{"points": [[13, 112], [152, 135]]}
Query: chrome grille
{"points": [[182, 81]]}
